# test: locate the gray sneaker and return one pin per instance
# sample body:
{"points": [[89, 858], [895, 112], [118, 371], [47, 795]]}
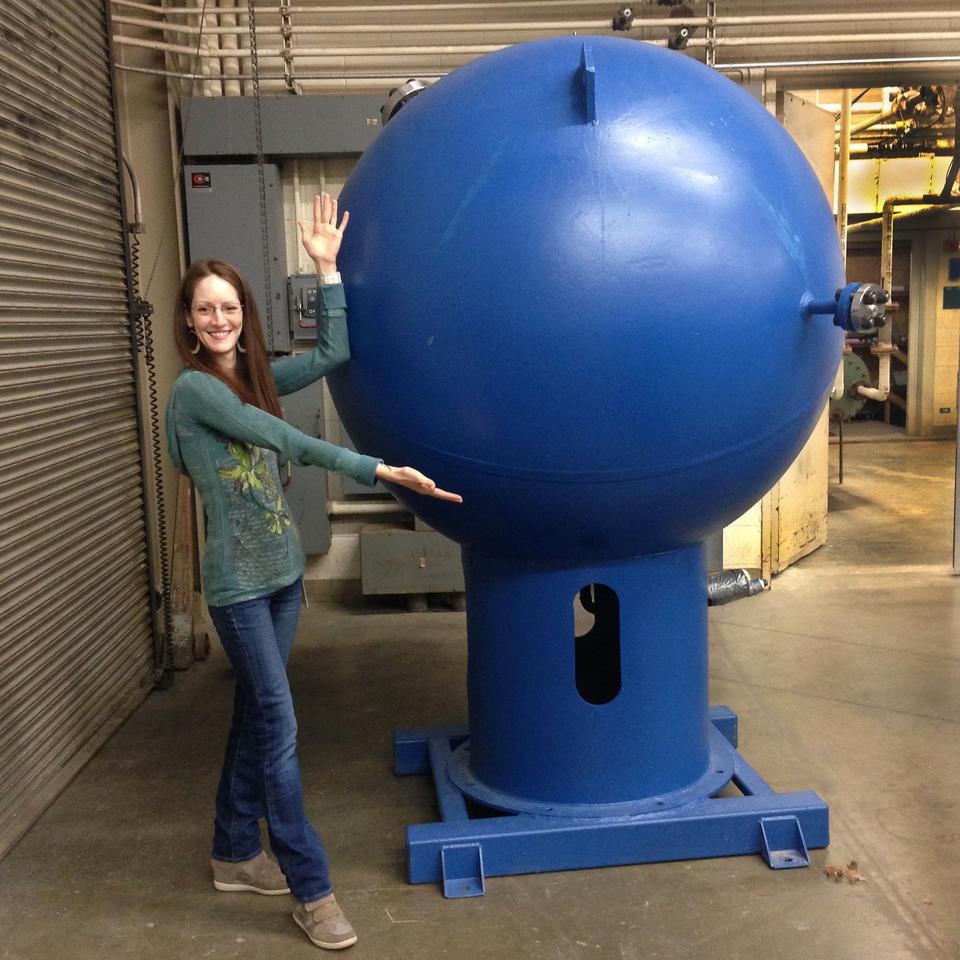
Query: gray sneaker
{"points": [[260, 875], [324, 923]]}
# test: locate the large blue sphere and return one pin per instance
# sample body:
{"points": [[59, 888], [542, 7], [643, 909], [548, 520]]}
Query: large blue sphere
{"points": [[574, 274]]}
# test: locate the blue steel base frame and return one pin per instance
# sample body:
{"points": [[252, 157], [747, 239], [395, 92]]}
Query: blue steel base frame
{"points": [[461, 852]]}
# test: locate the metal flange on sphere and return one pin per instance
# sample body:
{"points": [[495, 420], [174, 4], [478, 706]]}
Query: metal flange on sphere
{"points": [[576, 284]]}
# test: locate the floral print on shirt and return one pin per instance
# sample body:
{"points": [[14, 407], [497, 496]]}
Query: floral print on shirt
{"points": [[255, 478]]}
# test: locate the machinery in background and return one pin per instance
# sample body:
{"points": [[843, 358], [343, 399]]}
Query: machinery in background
{"points": [[912, 121]]}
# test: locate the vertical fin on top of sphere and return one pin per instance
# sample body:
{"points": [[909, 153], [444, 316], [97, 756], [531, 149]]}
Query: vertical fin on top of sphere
{"points": [[588, 78]]}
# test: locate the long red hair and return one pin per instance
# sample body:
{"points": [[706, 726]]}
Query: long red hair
{"points": [[252, 380]]}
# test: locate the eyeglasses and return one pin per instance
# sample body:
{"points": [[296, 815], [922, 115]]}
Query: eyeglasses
{"points": [[229, 310]]}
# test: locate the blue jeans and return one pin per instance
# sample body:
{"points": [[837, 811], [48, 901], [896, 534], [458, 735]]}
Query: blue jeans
{"points": [[261, 776]]}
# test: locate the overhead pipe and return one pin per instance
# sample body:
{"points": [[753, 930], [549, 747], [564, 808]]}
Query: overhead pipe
{"points": [[874, 120], [578, 26], [363, 80], [861, 106], [804, 38], [231, 65], [366, 79], [812, 69], [587, 26], [639, 22], [862, 225], [806, 18], [359, 82], [483, 48], [572, 26], [385, 8], [277, 53]]}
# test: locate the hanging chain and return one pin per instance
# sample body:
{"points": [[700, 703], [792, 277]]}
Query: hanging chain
{"points": [[286, 33], [261, 179], [711, 47]]}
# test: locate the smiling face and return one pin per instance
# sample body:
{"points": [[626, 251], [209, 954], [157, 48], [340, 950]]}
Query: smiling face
{"points": [[217, 319]]}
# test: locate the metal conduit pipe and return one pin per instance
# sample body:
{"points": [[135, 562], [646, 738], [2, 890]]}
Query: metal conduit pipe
{"points": [[468, 49], [843, 170], [572, 26], [763, 41], [842, 196], [748, 72], [231, 65], [860, 106], [872, 121], [897, 215], [893, 126], [638, 23], [357, 82], [812, 69], [592, 26], [381, 8], [388, 52], [277, 53], [808, 18]]}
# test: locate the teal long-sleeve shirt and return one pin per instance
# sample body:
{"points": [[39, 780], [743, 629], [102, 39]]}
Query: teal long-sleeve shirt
{"points": [[228, 448]]}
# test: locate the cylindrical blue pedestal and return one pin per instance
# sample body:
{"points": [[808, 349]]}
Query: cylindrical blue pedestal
{"points": [[624, 721]]}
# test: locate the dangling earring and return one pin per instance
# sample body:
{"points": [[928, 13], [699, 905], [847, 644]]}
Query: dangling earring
{"points": [[241, 348], [195, 349]]}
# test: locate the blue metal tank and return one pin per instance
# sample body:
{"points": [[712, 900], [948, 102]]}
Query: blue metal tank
{"points": [[590, 328], [575, 281]]}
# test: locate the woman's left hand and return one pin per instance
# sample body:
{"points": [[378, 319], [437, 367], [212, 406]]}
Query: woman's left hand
{"points": [[414, 480], [322, 241]]}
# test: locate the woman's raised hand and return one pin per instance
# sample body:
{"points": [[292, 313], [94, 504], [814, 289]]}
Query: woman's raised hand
{"points": [[322, 241], [414, 480]]}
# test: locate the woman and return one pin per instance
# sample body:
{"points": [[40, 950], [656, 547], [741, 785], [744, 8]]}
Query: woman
{"points": [[224, 429]]}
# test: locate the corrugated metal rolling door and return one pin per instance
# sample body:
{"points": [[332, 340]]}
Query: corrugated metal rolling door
{"points": [[76, 646]]}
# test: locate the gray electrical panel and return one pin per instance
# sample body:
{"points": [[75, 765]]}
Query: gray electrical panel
{"points": [[223, 221], [312, 126], [306, 487]]}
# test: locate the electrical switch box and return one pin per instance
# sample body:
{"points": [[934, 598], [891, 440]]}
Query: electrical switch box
{"points": [[303, 302]]}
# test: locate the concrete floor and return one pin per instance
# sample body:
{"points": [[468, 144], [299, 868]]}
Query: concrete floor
{"points": [[846, 679]]}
